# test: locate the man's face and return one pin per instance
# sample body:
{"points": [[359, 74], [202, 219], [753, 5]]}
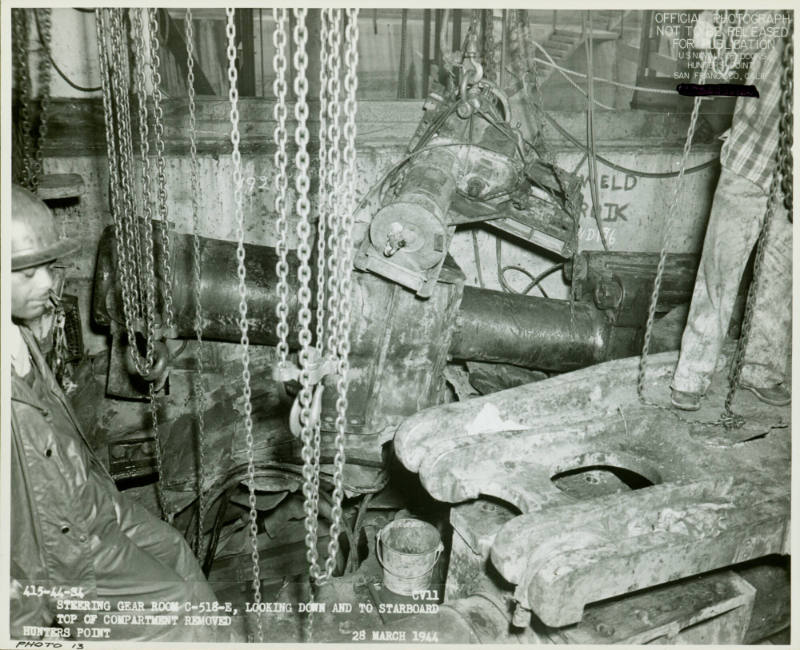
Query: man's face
{"points": [[30, 291]]}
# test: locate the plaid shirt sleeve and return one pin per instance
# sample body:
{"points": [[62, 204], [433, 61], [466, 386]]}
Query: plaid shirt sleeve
{"points": [[752, 144]]}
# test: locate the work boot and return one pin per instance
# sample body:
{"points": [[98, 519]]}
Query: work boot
{"points": [[777, 395], [685, 401]]}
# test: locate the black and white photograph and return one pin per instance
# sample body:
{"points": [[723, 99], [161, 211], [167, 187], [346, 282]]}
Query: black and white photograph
{"points": [[412, 326]]}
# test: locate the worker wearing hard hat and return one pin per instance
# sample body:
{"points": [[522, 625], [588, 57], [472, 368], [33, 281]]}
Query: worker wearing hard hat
{"points": [[74, 536]]}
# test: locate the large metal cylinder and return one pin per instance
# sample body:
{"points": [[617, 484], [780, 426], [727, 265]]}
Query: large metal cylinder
{"points": [[532, 332], [541, 333], [219, 284]]}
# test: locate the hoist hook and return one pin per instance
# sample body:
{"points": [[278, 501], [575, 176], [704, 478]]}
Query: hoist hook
{"points": [[158, 369], [315, 409]]}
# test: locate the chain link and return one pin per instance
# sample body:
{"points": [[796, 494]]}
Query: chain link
{"points": [[43, 25], [332, 177], [279, 40], [640, 382], [346, 266], [23, 80], [302, 207], [783, 170], [158, 128], [238, 185], [323, 195], [146, 229], [194, 185], [338, 200], [117, 211], [786, 139], [120, 60]]}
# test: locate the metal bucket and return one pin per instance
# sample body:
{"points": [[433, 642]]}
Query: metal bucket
{"points": [[408, 549]]}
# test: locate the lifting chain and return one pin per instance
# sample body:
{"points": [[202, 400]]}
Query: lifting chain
{"points": [[331, 177], [23, 81], [780, 176], [134, 251], [158, 128], [118, 212], [640, 382], [43, 23], [127, 237], [345, 257], [238, 193], [194, 185], [281, 183], [167, 324], [302, 207], [147, 270], [147, 275], [785, 137]]}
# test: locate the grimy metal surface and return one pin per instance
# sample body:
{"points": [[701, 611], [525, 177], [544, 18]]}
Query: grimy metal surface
{"points": [[533, 332], [486, 325], [616, 496]]}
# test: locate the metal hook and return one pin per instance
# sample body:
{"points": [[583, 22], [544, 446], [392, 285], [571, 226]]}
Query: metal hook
{"points": [[315, 409]]}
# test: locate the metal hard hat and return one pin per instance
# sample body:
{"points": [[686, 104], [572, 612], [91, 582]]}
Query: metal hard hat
{"points": [[34, 240]]}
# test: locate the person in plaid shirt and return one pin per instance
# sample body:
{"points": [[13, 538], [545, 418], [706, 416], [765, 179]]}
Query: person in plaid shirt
{"points": [[740, 200]]}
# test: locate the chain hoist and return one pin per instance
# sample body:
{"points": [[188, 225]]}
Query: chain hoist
{"points": [[118, 210], [194, 185], [23, 82], [782, 172], [135, 262], [238, 194], [311, 366], [151, 366]]}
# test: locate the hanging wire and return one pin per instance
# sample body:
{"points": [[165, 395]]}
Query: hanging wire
{"points": [[61, 73]]}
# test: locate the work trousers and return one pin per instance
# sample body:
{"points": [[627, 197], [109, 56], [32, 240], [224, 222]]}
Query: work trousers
{"points": [[737, 214], [145, 560]]}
